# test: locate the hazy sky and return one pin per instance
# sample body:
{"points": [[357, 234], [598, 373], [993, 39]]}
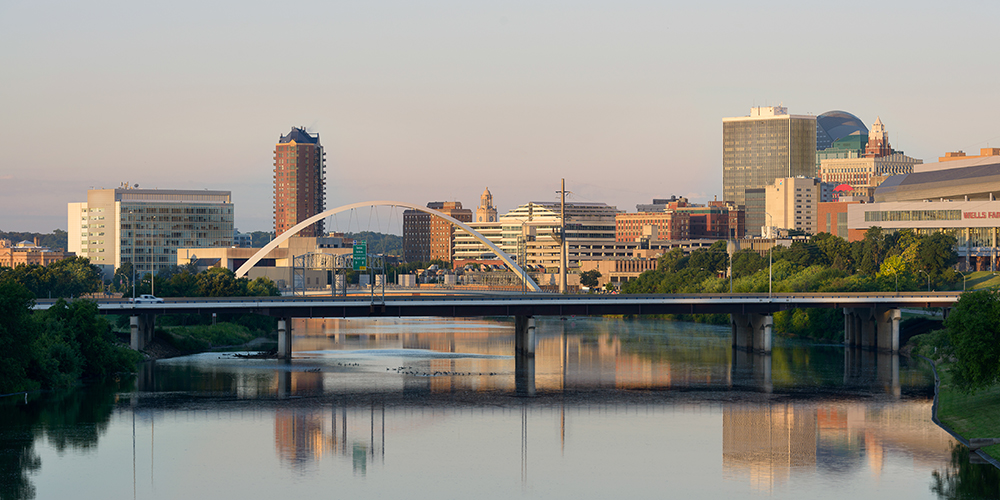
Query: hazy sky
{"points": [[424, 101]]}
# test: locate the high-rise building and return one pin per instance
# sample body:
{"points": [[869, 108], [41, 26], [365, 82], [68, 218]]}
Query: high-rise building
{"points": [[757, 149], [299, 185], [416, 236], [427, 237], [442, 232], [147, 226]]}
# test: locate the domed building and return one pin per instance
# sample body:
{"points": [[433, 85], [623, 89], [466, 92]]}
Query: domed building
{"points": [[834, 125]]}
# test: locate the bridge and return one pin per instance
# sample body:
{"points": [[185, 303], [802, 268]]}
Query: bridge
{"points": [[871, 320]]}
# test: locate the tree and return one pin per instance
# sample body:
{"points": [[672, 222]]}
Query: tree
{"points": [[936, 252], [747, 262], [590, 278], [974, 330], [16, 332]]}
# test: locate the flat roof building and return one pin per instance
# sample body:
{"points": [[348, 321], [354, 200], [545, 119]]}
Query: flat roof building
{"points": [[961, 201], [147, 226], [791, 204], [757, 149]]}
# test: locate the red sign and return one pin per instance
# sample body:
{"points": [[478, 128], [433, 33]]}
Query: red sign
{"points": [[981, 215]]}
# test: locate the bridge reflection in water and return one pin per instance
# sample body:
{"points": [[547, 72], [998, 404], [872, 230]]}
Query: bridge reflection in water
{"points": [[415, 356], [371, 378]]}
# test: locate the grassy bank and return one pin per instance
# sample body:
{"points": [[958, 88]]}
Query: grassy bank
{"points": [[975, 415], [971, 415], [198, 338]]}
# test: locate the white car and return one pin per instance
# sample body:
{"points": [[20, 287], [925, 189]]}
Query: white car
{"points": [[147, 299]]}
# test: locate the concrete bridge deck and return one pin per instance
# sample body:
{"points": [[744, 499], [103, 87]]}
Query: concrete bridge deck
{"points": [[524, 305], [871, 320]]}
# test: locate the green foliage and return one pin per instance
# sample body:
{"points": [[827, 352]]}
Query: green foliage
{"points": [[70, 277], [379, 243], [56, 347], [260, 238], [214, 282], [202, 337], [934, 345], [823, 263], [16, 331], [974, 331], [590, 278]]}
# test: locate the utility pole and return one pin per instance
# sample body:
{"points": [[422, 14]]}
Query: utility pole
{"points": [[562, 239]]}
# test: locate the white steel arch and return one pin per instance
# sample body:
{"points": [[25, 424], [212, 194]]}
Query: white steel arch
{"points": [[242, 271]]}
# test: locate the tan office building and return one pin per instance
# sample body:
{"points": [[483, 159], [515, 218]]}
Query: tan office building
{"points": [[147, 226], [791, 204]]}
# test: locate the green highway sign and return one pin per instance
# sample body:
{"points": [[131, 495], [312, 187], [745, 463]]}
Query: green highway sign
{"points": [[360, 255]]}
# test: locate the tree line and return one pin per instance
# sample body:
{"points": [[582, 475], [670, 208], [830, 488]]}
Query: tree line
{"points": [[881, 262], [187, 281]]}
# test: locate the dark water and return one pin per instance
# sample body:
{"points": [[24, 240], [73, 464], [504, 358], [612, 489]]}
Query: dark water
{"points": [[430, 409]]}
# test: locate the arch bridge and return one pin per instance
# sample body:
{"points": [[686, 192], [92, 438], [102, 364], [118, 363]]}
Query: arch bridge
{"points": [[513, 266]]}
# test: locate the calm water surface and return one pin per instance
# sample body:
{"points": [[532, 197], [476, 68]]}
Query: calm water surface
{"points": [[411, 408]]}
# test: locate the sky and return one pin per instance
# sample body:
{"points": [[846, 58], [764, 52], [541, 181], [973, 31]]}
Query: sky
{"points": [[436, 100]]}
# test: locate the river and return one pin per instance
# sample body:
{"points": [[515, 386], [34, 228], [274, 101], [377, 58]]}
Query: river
{"points": [[434, 408]]}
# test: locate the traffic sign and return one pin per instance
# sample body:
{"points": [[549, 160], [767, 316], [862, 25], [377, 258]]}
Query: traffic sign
{"points": [[360, 256]]}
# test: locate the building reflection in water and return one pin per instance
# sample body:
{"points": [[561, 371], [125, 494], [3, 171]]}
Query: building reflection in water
{"points": [[603, 357], [302, 436], [763, 444]]}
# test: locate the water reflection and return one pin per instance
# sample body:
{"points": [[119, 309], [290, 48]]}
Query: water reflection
{"points": [[961, 479], [302, 436], [391, 407], [416, 357], [72, 420], [765, 444]]}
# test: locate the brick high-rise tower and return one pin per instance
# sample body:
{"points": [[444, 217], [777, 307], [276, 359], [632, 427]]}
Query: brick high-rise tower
{"points": [[299, 186]]}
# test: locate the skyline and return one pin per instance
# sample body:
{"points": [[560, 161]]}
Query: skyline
{"points": [[434, 102]]}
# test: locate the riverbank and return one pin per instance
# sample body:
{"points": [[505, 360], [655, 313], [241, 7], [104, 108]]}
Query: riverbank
{"points": [[175, 341], [968, 415]]}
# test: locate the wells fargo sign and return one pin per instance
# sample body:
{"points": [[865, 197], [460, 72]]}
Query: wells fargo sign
{"points": [[981, 215]]}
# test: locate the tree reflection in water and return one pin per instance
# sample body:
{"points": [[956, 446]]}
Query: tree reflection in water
{"points": [[73, 419], [964, 480]]}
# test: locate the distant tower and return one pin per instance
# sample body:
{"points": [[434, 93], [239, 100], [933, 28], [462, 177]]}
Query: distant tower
{"points": [[878, 141], [299, 186], [486, 211], [768, 144]]}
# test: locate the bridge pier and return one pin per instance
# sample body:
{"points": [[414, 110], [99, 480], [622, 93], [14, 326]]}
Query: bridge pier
{"points": [[868, 368], [285, 338], [141, 329], [752, 331], [524, 335], [750, 368], [872, 328], [285, 382], [524, 355]]}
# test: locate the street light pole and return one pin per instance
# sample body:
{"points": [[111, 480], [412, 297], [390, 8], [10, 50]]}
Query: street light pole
{"points": [[730, 249], [928, 278], [770, 261], [131, 220], [963, 278], [562, 239]]}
